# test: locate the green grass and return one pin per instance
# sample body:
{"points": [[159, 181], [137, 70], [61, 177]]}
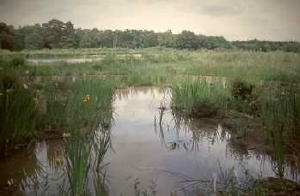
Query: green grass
{"points": [[61, 69], [251, 66], [11, 60], [199, 96]]}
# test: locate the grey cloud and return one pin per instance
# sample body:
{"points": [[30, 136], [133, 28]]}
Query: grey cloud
{"points": [[219, 10], [235, 19]]}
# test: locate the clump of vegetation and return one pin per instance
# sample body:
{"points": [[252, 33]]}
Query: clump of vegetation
{"points": [[241, 90], [244, 98], [11, 61], [280, 115], [198, 98], [18, 110], [275, 186], [88, 122]]}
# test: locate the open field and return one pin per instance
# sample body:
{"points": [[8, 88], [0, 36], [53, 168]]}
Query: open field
{"points": [[101, 106]]}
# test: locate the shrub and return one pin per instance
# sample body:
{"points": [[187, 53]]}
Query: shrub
{"points": [[241, 90]]}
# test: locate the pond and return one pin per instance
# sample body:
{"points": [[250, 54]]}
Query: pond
{"points": [[152, 151], [78, 60], [67, 60]]}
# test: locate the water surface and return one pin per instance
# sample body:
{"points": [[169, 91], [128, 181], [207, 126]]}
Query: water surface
{"points": [[152, 151], [171, 153], [66, 60]]}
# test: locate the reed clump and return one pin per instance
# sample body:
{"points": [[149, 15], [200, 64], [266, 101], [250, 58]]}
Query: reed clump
{"points": [[18, 111]]}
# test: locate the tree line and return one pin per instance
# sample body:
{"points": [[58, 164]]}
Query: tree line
{"points": [[58, 34]]}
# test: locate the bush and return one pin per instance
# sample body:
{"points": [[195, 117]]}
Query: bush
{"points": [[241, 90]]}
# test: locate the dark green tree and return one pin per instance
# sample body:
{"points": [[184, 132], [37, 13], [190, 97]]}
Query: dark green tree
{"points": [[6, 36], [57, 34], [189, 40]]}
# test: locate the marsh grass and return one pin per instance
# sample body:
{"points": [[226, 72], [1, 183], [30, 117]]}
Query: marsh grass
{"points": [[157, 66], [18, 114], [82, 101], [85, 155], [85, 168], [251, 66], [78, 164], [18, 110], [12, 60], [87, 114], [61, 69], [280, 114], [199, 98]]}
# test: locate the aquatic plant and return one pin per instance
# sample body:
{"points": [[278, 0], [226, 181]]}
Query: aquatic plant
{"points": [[88, 121], [280, 114], [199, 98]]}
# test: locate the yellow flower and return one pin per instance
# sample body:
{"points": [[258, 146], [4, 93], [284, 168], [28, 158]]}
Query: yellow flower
{"points": [[86, 98], [66, 134]]}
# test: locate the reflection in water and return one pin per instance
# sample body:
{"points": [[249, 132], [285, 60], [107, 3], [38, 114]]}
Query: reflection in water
{"points": [[154, 151], [32, 169], [153, 143]]}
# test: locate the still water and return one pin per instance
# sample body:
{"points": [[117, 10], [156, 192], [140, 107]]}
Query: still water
{"points": [[152, 151], [66, 60]]}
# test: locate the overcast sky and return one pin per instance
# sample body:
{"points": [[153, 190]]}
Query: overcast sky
{"points": [[233, 19]]}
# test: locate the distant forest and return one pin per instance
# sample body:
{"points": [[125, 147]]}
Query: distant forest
{"points": [[57, 34]]}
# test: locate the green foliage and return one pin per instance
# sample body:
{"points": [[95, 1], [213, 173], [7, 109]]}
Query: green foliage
{"points": [[265, 46], [189, 40], [214, 42], [34, 41], [57, 34]]}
